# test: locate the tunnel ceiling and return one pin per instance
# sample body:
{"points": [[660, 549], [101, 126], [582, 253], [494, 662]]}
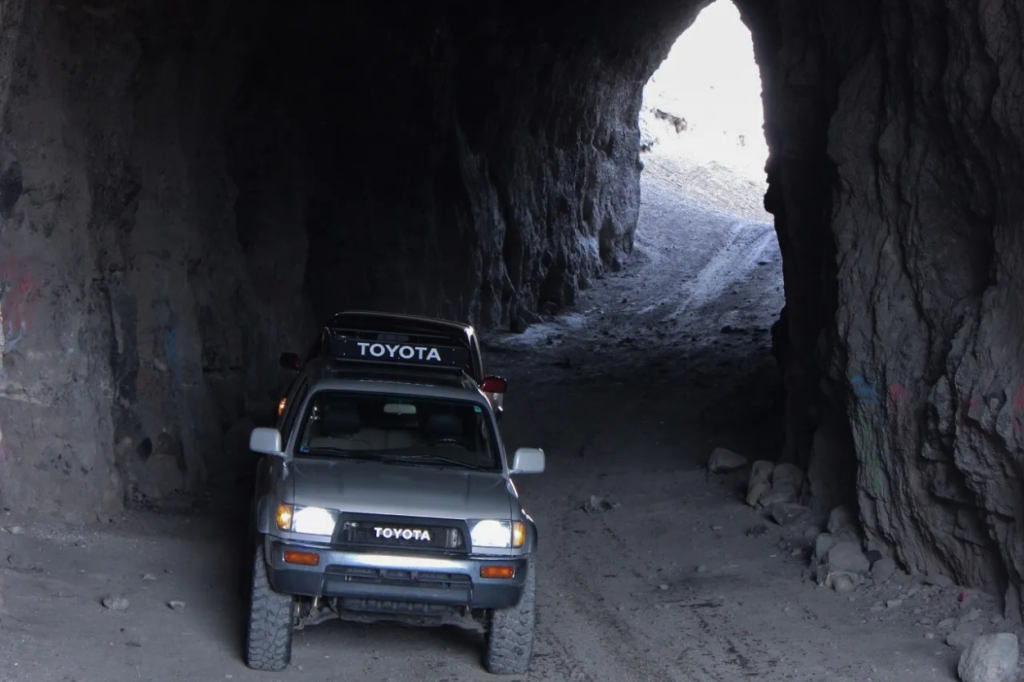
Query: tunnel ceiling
{"points": [[186, 187]]}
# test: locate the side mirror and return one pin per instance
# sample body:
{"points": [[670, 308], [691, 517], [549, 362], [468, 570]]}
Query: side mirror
{"points": [[290, 361], [494, 385], [528, 461], [266, 441]]}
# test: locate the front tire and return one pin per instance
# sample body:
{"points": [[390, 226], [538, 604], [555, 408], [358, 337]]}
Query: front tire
{"points": [[510, 631], [271, 621]]}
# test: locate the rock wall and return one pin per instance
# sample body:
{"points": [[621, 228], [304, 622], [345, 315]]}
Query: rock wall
{"points": [[186, 187], [896, 137], [134, 330]]}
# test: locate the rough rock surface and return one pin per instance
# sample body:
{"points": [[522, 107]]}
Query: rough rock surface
{"points": [[896, 128], [185, 187]]}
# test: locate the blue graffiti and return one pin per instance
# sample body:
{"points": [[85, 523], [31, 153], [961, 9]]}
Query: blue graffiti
{"points": [[867, 395], [864, 390]]}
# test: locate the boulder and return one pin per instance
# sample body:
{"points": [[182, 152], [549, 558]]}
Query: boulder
{"points": [[760, 481], [724, 461], [990, 658]]}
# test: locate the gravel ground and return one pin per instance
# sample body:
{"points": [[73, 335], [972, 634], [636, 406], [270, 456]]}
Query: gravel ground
{"points": [[669, 576]]}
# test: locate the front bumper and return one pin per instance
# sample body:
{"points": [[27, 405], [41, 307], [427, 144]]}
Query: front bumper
{"points": [[388, 577]]}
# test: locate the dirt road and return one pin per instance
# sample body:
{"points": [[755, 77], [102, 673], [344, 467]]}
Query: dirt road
{"points": [[678, 580]]}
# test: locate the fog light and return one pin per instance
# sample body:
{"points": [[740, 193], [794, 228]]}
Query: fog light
{"points": [[301, 558], [504, 572]]}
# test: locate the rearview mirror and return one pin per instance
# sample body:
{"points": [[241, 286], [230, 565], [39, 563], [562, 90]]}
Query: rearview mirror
{"points": [[399, 408], [289, 361], [528, 461], [266, 441]]}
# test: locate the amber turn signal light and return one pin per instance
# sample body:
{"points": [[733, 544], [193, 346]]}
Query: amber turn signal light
{"points": [[505, 572], [518, 533], [301, 558], [281, 405], [284, 516]]}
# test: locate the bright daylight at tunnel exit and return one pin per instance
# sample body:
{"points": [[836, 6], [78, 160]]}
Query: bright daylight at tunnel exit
{"points": [[666, 341]]}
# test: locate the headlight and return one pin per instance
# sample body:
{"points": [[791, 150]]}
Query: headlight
{"points": [[306, 520], [494, 533]]}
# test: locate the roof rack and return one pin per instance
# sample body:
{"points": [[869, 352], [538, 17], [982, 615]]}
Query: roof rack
{"points": [[416, 350], [381, 372]]}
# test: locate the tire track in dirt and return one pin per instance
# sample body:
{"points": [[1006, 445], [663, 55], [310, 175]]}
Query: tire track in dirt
{"points": [[718, 650], [732, 264]]}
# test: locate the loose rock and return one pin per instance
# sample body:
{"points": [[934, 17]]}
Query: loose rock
{"points": [[760, 481], [963, 635], [822, 545], [722, 461], [788, 513], [990, 658], [883, 569], [115, 603], [843, 583], [597, 505], [972, 615], [787, 480], [176, 605], [842, 520], [847, 557]]}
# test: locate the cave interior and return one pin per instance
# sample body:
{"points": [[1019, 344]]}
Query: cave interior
{"points": [[187, 188]]}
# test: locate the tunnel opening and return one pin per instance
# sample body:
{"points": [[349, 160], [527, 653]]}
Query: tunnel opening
{"points": [[702, 116], [704, 243]]}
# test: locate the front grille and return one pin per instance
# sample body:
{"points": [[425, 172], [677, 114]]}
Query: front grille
{"points": [[413, 593], [400, 533], [399, 577]]}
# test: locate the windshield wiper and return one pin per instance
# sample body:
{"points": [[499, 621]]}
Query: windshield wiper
{"points": [[348, 454], [435, 458]]}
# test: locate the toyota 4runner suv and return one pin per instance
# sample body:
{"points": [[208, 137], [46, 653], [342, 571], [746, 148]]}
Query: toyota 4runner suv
{"points": [[384, 494]]}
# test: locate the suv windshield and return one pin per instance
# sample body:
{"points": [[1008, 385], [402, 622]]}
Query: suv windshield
{"points": [[397, 428]]}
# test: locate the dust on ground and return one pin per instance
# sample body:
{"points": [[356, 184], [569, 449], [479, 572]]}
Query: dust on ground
{"points": [[669, 577]]}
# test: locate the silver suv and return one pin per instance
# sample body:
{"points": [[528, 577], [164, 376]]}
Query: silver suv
{"points": [[384, 494]]}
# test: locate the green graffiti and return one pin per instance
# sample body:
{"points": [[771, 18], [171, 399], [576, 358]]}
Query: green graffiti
{"points": [[868, 435]]}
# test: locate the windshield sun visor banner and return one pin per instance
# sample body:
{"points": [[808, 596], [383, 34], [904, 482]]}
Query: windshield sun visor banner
{"points": [[421, 354]]}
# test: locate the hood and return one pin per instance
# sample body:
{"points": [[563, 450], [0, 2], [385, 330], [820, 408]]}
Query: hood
{"points": [[398, 489]]}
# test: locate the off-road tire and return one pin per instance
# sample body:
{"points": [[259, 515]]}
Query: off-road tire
{"points": [[510, 631], [271, 622]]}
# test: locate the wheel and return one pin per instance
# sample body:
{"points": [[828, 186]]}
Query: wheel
{"points": [[510, 632], [271, 622]]}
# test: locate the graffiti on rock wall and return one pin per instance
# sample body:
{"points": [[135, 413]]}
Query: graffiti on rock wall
{"points": [[17, 294], [899, 400], [873, 422], [868, 424]]}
